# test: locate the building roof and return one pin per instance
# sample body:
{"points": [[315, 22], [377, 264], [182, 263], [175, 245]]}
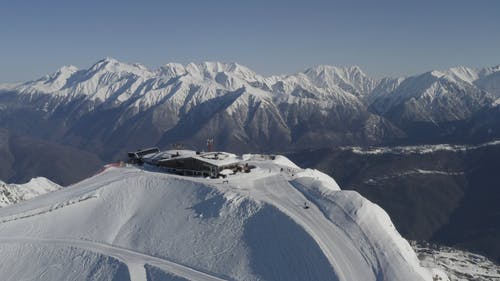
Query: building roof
{"points": [[218, 159]]}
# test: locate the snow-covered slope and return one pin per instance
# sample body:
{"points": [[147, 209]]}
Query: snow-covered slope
{"points": [[349, 78], [433, 97], [489, 79], [252, 227], [13, 193]]}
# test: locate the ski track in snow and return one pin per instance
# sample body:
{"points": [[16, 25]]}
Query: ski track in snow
{"points": [[326, 234], [300, 186], [55, 200], [135, 261]]}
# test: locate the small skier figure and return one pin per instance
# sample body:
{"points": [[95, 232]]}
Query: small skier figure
{"points": [[305, 205]]}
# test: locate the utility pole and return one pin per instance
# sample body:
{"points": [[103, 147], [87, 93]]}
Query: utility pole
{"points": [[210, 144]]}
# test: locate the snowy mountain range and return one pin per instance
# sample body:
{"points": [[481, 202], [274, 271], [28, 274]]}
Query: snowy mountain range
{"points": [[131, 223], [247, 111], [112, 82]]}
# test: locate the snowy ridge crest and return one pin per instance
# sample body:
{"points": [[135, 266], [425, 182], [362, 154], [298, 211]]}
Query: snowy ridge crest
{"points": [[113, 82]]}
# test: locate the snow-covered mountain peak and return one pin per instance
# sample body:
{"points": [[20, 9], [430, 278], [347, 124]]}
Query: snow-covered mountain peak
{"points": [[103, 63], [112, 65], [172, 69], [209, 70], [350, 78], [13, 193], [67, 69], [436, 73], [58, 79], [469, 75], [243, 72], [459, 74], [107, 78], [329, 72]]}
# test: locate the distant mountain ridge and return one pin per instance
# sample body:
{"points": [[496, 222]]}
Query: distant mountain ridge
{"points": [[114, 83], [105, 77], [113, 107]]}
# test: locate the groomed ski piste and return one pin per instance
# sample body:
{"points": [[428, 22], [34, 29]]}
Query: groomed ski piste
{"points": [[278, 222]]}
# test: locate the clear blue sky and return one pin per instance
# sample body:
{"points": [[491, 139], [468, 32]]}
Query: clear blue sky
{"points": [[385, 38]]}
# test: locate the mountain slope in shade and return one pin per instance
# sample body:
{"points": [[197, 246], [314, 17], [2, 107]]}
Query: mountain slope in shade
{"points": [[25, 157], [433, 97], [252, 228]]}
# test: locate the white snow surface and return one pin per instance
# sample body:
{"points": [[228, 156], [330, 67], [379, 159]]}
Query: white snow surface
{"points": [[253, 227], [459, 265], [13, 193], [418, 149]]}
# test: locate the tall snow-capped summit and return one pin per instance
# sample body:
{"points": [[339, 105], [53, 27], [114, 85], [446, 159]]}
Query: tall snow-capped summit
{"points": [[112, 65], [489, 79], [434, 97], [172, 69], [128, 223], [459, 74], [349, 78], [102, 81], [50, 83]]}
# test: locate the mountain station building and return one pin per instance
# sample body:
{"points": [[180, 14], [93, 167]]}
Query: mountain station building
{"points": [[190, 163]]}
